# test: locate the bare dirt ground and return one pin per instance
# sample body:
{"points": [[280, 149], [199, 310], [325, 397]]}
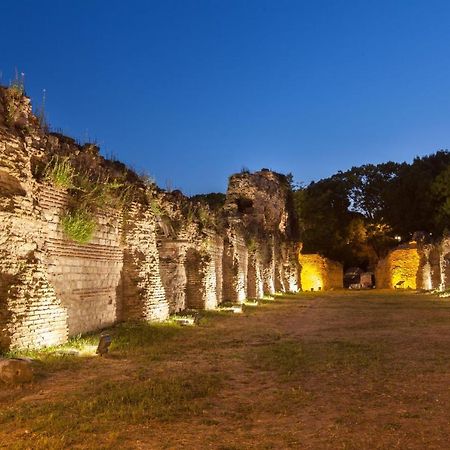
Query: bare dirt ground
{"points": [[336, 370]]}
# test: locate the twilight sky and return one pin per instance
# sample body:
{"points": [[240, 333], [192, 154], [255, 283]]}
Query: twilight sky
{"points": [[190, 91]]}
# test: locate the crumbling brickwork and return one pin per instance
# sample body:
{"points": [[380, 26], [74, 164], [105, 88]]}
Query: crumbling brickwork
{"points": [[157, 253], [320, 273], [416, 265], [143, 296]]}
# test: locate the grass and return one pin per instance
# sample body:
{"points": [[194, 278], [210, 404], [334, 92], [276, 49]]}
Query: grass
{"points": [[100, 407], [79, 226], [292, 358], [150, 341], [106, 405], [88, 193], [346, 372], [61, 357], [60, 172]]}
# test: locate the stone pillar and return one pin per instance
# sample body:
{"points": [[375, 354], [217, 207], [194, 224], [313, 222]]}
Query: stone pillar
{"points": [[143, 296], [172, 255]]}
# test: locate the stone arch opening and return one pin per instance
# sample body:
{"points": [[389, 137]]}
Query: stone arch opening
{"points": [[446, 271], [229, 273], [195, 295]]}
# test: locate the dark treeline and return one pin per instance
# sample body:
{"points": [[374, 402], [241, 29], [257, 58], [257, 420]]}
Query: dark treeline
{"points": [[358, 215]]}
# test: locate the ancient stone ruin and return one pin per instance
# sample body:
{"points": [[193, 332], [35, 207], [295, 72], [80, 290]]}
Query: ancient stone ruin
{"points": [[85, 242], [320, 273], [419, 264]]}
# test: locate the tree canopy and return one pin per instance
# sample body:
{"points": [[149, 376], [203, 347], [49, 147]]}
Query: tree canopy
{"points": [[358, 215]]}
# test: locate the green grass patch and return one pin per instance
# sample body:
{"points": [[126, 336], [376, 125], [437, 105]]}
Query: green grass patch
{"points": [[60, 172], [148, 340], [290, 358], [79, 226], [151, 341], [60, 357], [112, 405]]}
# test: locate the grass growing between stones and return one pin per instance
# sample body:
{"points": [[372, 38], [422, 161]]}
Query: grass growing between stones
{"points": [[60, 172], [79, 226]]}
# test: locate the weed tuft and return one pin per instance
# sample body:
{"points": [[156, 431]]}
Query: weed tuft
{"points": [[79, 226], [60, 172]]}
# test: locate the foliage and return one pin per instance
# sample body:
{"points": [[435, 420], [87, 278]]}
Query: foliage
{"points": [[412, 203], [60, 172], [354, 216], [155, 208], [440, 188], [79, 226], [252, 245], [90, 190], [367, 186], [215, 200]]}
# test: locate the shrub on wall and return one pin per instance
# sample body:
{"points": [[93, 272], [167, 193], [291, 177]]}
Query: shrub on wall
{"points": [[89, 192], [60, 172], [79, 226]]}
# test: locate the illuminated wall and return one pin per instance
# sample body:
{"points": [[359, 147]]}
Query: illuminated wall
{"points": [[415, 265], [404, 268], [319, 273], [142, 263]]}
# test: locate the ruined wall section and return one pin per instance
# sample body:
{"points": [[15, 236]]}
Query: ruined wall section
{"points": [[172, 259], [159, 252], [31, 314], [444, 263], [289, 267], [143, 295], [258, 207], [415, 265], [50, 286], [85, 277], [190, 251], [235, 265], [320, 273]]}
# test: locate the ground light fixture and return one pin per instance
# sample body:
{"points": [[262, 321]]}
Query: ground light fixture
{"points": [[104, 343]]}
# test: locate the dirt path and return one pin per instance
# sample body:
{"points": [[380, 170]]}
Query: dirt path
{"points": [[338, 370]]}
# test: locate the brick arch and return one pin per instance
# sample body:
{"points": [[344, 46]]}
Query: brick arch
{"points": [[194, 280]]}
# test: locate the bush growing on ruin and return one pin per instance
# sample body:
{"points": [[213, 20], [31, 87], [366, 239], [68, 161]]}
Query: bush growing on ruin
{"points": [[79, 226], [60, 172], [89, 192], [155, 208]]}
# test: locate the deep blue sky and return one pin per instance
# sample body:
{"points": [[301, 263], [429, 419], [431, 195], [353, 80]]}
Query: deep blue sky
{"points": [[191, 91]]}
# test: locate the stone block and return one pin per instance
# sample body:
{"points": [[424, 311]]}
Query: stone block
{"points": [[16, 371]]}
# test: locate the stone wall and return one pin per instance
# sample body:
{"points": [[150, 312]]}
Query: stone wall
{"points": [[263, 226], [31, 313], [320, 273], [155, 254], [142, 291], [85, 277], [444, 252], [416, 265], [172, 255]]}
